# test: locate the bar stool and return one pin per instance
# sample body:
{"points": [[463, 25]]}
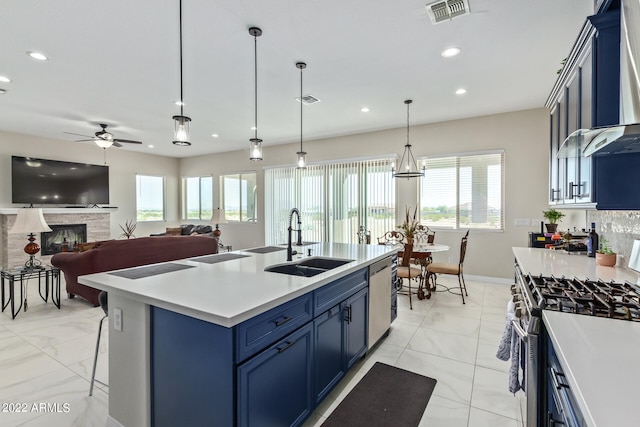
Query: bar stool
{"points": [[103, 300]]}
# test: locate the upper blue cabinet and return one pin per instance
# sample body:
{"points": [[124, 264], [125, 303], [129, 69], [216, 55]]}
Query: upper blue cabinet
{"points": [[585, 96]]}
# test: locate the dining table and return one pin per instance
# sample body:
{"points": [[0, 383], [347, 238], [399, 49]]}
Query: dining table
{"points": [[421, 253]]}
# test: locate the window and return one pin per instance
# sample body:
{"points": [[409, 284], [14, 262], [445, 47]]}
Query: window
{"points": [[149, 198], [463, 191], [239, 195], [333, 199], [197, 198]]}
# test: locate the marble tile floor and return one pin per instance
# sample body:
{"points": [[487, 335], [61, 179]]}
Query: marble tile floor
{"points": [[46, 357]]}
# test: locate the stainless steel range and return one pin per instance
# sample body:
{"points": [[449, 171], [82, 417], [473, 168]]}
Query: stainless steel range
{"points": [[549, 398]]}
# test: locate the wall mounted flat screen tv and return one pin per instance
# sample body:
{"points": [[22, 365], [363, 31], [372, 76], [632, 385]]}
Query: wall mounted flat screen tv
{"points": [[41, 181]]}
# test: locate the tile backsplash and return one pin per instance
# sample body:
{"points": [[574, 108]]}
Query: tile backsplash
{"points": [[620, 228]]}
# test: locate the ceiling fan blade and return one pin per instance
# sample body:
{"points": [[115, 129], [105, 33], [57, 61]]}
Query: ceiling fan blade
{"points": [[84, 140], [115, 144], [78, 134], [128, 141]]}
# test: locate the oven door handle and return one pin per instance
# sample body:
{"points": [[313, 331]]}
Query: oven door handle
{"points": [[521, 332]]}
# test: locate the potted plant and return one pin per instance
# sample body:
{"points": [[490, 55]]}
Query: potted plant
{"points": [[553, 217], [410, 224], [605, 256]]}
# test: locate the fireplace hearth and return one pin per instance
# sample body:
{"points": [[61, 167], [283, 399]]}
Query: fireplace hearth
{"points": [[62, 238]]}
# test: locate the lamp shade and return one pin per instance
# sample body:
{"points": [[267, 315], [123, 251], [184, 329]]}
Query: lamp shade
{"points": [[218, 216], [30, 220]]}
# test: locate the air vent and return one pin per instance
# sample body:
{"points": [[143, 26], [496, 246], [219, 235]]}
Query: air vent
{"points": [[447, 10], [308, 99]]}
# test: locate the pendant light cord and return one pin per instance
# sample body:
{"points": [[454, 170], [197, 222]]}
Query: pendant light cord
{"points": [[255, 84], [301, 109], [408, 124], [181, 95]]}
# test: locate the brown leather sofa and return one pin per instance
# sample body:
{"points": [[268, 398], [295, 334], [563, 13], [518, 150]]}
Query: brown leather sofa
{"points": [[117, 254]]}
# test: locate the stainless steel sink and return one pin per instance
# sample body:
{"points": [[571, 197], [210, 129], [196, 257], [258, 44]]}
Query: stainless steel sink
{"points": [[308, 267]]}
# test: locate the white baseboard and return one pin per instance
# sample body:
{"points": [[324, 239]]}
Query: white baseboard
{"points": [[498, 280], [112, 422]]}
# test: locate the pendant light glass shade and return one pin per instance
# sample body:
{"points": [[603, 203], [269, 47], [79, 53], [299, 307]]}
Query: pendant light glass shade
{"points": [[255, 143], [408, 168], [181, 122], [301, 163]]}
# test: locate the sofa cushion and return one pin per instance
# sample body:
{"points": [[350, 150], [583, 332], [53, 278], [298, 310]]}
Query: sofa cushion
{"points": [[177, 231], [187, 229]]}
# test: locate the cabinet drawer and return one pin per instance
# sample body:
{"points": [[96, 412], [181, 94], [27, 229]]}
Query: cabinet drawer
{"points": [[334, 293], [263, 330]]}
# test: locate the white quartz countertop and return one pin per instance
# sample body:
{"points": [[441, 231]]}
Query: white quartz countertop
{"points": [[230, 292], [599, 357], [547, 262]]}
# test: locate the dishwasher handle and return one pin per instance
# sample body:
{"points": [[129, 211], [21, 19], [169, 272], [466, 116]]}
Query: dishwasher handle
{"points": [[379, 266]]}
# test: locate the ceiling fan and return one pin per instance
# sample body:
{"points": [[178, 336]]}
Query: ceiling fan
{"points": [[104, 139]]}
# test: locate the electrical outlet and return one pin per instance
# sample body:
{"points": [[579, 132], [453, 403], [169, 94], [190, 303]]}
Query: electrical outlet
{"points": [[117, 319]]}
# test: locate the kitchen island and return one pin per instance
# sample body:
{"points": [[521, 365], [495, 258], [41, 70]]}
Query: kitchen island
{"points": [[597, 355], [227, 342]]}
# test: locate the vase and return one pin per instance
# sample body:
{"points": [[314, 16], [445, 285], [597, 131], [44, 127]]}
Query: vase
{"points": [[410, 241], [605, 260]]}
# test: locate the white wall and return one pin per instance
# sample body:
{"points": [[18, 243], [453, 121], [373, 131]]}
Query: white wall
{"points": [[523, 135], [123, 166]]}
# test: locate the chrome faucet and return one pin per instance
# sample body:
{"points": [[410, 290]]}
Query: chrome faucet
{"points": [[290, 251]]}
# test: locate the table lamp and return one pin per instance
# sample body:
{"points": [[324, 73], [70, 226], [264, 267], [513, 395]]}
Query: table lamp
{"points": [[30, 220], [218, 218]]}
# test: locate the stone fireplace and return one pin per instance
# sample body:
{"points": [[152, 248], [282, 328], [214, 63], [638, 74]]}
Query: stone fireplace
{"points": [[62, 238], [96, 220]]}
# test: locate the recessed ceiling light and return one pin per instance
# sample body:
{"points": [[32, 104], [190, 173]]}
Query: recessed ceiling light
{"points": [[461, 91], [150, 146], [365, 110], [5, 79], [214, 135], [452, 51], [179, 103], [37, 55]]}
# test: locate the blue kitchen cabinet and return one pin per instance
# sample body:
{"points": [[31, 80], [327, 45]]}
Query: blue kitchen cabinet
{"points": [[587, 95], [275, 387], [355, 310], [270, 370], [340, 332]]}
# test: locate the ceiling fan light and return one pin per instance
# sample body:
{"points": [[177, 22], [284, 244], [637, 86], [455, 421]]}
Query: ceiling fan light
{"points": [[181, 130], [255, 149], [103, 143]]}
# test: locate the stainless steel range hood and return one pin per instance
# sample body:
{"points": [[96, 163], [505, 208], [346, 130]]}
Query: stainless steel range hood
{"points": [[625, 137]]}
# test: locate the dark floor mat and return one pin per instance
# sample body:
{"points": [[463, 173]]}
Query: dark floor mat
{"points": [[385, 396]]}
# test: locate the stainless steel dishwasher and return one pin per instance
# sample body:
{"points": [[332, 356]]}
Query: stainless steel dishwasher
{"points": [[379, 299]]}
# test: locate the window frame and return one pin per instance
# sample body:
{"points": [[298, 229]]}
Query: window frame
{"points": [[457, 157], [223, 205], [164, 197], [185, 194]]}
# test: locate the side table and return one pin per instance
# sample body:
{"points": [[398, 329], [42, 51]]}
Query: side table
{"points": [[47, 275]]}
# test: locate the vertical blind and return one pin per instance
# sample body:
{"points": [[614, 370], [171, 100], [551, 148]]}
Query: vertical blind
{"points": [[334, 200], [463, 191]]}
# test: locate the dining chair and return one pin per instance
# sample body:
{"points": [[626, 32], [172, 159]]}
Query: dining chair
{"points": [[392, 238], [410, 272], [364, 236], [452, 269]]}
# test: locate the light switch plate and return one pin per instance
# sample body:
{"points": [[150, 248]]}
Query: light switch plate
{"points": [[117, 319]]}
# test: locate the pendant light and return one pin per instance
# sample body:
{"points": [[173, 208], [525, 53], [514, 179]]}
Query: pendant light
{"points": [[301, 154], [408, 167], [255, 143], [181, 122]]}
